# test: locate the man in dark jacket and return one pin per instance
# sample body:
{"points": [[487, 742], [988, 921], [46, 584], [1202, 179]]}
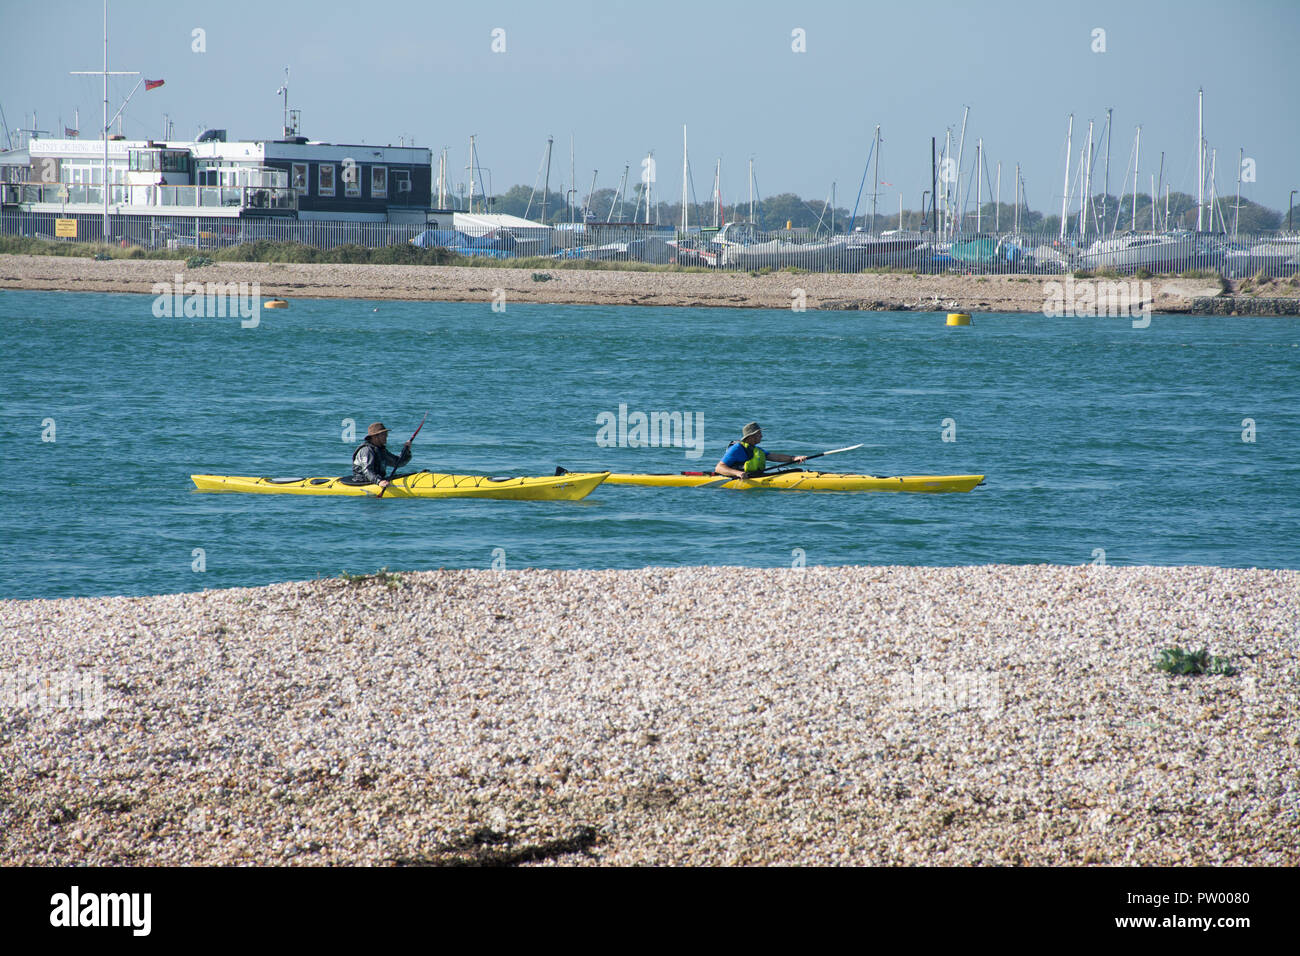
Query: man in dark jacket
{"points": [[371, 460]]}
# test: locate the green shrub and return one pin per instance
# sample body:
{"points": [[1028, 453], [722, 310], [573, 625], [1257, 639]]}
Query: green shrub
{"points": [[1176, 661]]}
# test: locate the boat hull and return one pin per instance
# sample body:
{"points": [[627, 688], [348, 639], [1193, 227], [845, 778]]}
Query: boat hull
{"points": [[810, 481], [423, 484]]}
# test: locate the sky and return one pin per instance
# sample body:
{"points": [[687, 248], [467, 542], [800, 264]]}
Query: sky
{"points": [[621, 79]]}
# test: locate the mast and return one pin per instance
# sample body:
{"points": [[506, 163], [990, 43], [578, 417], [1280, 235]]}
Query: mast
{"points": [[591, 192], [832, 207], [1155, 195], [979, 194], [104, 129], [618, 196], [686, 221], [573, 179], [948, 154], [1065, 190], [1087, 186], [546, 184], [961, 152], [1137, 156], [750, 189], [1153, 205], [649, 187], [997, 201], [934, 184], [1236, 216], [717, 194], [1017, 212], [470, 207], [1200, 156], [1105, 195], [875, 186]]}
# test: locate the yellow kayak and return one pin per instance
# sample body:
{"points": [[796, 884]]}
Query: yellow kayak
{"points": [[422, 484], [798, 480]]}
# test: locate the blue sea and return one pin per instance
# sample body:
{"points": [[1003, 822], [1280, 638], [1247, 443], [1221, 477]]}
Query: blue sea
{"points": [[1168, 445]]}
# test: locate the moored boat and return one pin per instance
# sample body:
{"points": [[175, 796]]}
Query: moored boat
{"points": [[421, 484]]}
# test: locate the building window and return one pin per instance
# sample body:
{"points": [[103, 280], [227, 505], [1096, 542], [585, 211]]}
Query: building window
{"points": [[325, 179], [402, 184], [351, 179], [299, 178], [378, 182]]}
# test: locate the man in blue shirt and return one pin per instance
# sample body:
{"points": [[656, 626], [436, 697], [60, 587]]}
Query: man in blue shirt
{"points": [[744, 458]]}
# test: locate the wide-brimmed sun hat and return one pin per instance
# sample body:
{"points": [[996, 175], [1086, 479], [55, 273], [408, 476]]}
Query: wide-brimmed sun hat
{"points": [[376, 428], [750, 430]]}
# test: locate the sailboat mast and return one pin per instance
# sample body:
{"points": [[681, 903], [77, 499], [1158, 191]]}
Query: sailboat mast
{"points": [[751, 189], [1017, 211], [104, 235], [618, 196], [875, 187], [1160, 180], [1137, 156], [717, 194], [997, 201], [961, 153], [685, 174], [1236, 216], [1105, 195], [471, 175], [546, 183], [1087, 187], [979, 181], [1065, 190], [1200, 156]]}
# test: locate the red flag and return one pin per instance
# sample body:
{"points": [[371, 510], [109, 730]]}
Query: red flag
{"points": [[70, 133], [152, 85]]}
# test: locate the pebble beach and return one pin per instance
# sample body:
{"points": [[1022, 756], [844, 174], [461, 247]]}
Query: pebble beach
{"points": [[997, 715], [776, 290]]}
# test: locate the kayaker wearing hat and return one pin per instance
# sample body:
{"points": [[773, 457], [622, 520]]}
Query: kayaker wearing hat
{"points": [[744, 457], [371, 460]]}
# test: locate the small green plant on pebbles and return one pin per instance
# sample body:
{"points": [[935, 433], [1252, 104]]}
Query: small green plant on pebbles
{"points": [[198, 262], [382, 576], [1176, 661]]}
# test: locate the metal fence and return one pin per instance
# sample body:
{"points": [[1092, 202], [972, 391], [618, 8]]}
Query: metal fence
{"points": [[737, 247]]}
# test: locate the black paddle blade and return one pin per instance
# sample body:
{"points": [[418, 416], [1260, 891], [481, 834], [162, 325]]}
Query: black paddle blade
{"points": [[561, 471]]}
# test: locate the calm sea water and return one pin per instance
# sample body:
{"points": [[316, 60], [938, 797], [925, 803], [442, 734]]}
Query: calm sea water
{"points": [[1095, 436]]}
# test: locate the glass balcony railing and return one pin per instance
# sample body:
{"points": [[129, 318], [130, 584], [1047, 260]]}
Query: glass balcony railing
{"points": [[191, 197]]}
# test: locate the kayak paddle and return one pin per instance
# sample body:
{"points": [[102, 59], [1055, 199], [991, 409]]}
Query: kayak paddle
{"points": [[408, 441], [719, 482]]}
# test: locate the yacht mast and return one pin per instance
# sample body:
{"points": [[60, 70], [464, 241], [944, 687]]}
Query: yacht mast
{"points": [[685, 173], [1065, 189], [1105, 195], [1236, 216], [1137, 155], [546, 183], [1200, 156], [875, 188]]}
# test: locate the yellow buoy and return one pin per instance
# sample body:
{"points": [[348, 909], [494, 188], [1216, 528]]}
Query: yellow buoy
{"points": [[958, 318], [275, 304]]}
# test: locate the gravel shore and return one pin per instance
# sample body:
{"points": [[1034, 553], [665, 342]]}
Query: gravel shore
{"points": [[874, 291], [865, 715]]}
